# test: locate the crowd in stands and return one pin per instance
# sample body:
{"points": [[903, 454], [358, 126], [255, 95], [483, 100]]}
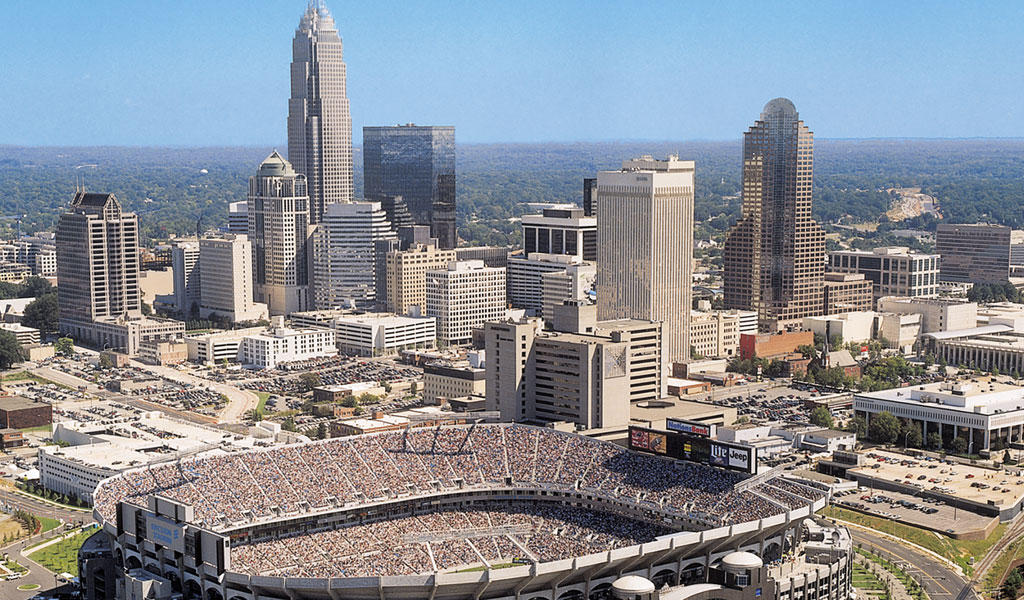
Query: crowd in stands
{"points": [[448, 539], [236, 488]]}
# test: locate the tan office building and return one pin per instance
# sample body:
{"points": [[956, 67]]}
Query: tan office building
{"points": [[645, 258], [407, 276]]}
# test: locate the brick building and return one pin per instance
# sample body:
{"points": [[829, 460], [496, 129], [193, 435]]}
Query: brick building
{"points": [[20, 413]]}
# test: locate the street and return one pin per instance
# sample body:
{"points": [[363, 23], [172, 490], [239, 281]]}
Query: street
{"points": [[37, 575], [938, 579]]}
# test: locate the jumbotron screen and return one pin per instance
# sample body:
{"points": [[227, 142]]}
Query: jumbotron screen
{"points": [[693, 448]]}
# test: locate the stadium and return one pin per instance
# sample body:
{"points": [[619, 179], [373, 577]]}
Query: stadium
{"points": [[483, 511]]}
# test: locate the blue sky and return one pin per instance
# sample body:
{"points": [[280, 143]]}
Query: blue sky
{"points": [[212, 72]]}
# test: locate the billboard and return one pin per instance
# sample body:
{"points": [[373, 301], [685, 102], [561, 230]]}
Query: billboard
{"points": [[691, 427], [694, 448], [166, 533]]}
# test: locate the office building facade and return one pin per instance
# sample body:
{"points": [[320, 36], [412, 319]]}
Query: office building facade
{"points": [[418, 164], [187, 276], [845, 292], [561, 231], [406, 277], [775, 255], [238, 217], [645, 258], [279, 233], [226, 263], [346, 256], [973, 253], [99, 300], [892, 270], [319, 123], [464, 296]]}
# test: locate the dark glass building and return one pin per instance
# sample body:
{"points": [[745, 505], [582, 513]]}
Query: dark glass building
{"points": [[418, 164]]}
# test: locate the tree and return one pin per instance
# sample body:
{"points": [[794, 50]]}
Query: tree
{"points": [[10, 350], [836, 341], [309, 380], [321, 431], [958, 445], [255, 415], [65, 346], [34, 287], [821, 417], [42, 313], [911, 434], [858, 426], [808, 351], [1007, 458], [1013, 583], [934, 440], [413, 388], [368, 398], [146, 309], [884, 428]]}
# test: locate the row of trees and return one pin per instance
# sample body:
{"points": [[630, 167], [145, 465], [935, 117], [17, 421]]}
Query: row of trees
{"points": [[885, 428]]}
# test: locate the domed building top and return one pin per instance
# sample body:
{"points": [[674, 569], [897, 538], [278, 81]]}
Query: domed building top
{"points": [[778, 105], [275, 166], [741, 561], [631, 585]]}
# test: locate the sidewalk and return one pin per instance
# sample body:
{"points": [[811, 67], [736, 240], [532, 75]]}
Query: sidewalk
{"points": [[899, 591]]}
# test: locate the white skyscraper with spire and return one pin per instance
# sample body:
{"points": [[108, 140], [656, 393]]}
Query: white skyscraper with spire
{"points": [[319, 124]]}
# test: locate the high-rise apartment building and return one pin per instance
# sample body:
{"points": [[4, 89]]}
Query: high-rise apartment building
{"points": [[464, 296], [319, 124], [226, 263], [187, 278], [645, 258], [892, 270], [775, 255], [279, 232], [99, 300], [417, 163], [563, 231], [407, 276], [346, 256], [973, 253]]}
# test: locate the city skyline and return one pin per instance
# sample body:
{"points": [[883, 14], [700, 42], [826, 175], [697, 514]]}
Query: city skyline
{"points": [[193, 79]]}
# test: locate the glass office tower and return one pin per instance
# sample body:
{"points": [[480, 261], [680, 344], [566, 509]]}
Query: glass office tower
{"points": [[417, 163]]}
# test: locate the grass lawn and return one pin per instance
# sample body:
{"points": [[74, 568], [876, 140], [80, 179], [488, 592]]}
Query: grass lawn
{"points": [[864, 581], [48, 523], [45, 428], [994, 575], [958, 551], [28, 587], [26, 376], [62, 557], [263, 401]]}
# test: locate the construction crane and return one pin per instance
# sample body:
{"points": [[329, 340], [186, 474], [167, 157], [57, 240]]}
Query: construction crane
{"points": [[17, 218]]}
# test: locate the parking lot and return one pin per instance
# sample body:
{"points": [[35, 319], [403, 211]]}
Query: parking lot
{"points": [[929, 513], [775, 404]]}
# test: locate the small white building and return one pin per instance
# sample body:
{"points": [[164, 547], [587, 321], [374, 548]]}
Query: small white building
{"points": [[851, 326], [25, 335], [377, 334], [218, 346], [282, 344]]}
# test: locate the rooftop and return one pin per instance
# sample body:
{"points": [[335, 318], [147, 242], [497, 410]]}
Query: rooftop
{"points": [[981, 395]]}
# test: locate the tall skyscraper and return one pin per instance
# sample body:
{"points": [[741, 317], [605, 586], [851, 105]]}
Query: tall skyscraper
{"points": [[346, 257], [279, 232], [99, 299], [319, 124], [417, 163], [775, 255], [645, 258], [97, 260]]}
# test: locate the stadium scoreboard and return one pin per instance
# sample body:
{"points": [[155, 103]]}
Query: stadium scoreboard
{"points": [[693, 448]]}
